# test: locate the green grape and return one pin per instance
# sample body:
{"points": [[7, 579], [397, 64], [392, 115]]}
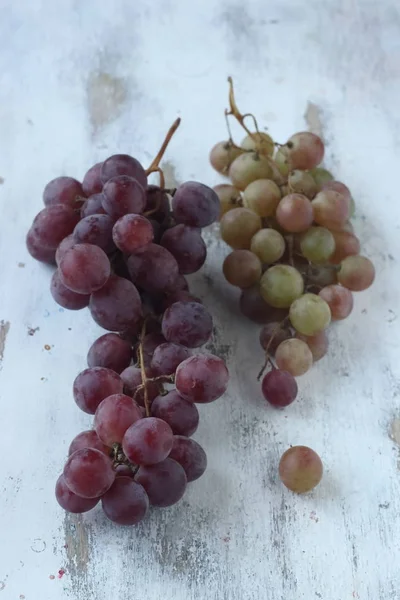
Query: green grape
{"points": [[282, 161], [229, 197], [356, 273], [248, 167], [294, 356], [242, 268], [321, 276], [262, 196], [300, 469], [320, 176], [268, 245], [310, 314], [317, 244], [259, 141], [238, 226], [281, 285], [222, 156], [303, 183]]}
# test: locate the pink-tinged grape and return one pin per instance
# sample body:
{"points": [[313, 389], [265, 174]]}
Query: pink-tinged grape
{"points": [[357, 273], [148, 441], [269, 245], [238, 226], [305, 150], [294, 356], [38, 251], [222, 156], [89, 473], [280, 285], [242, 268], [123, 164], [124, 470], [123, 195], [202, 378], [229, 197], [273, 334], [318, 344], [339, 299], [110, 351], [67, 243], [153, 269], [131, 232], [157, 204], [310, 314], [253, 306], [300, 469], [92, 385], [187, 323], [320, 176], [132, 379], [93, 206], [63, 190], [186, 246], [294, 213], [337, 186], [53, 224], [260, 142], [182, 416], [262, 196], [279, 388], [92, 183], [84, 268], [180, 296], [66, 297], [96, 230], [248, 167], [114, 415], [331, 209], [195, 204], [303, 183], [88, 439], [70, 501], [117, 306], [167, 357], [317, 245], [165, 482], [346, 244], [190, 455], [126, 502]]}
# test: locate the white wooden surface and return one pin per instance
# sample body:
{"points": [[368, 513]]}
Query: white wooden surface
{"points": [[80, 80]]}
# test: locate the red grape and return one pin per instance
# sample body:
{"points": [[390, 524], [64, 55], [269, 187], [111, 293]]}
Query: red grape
{"points": [[89, 473], [38, 251], [346, 244], [295, 213], [167, 357], [195, 204], [187, 323], [97, 230], [279, 388], [165, 482], [110, 351], [93, 206], [300, 469], [148, 441], [92, 183], [339, 299], [305, 150], [92, 385], [126, 502], [202, 378], [88, 439], [132, 379], [131, 232], [117, 306], [84, 268], [123, 164], [123, 195], [70, 501], [180, 296], [187, 246], [53, 224], [153, 269], [63, 190], [190, 455], [66, 297], [182, 416], [114, 416], [272, 334], [67, 243]]}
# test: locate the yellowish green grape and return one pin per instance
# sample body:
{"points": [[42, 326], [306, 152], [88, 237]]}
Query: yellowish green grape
{"points": [[320, 176], [280, 285], [262, 196], [238, 226], [222, 156], [310, 314], [282, 161], [248, 167], [260, 141], [317, 245], [294, 356], [268, 245], [229, 197], [303, 183]]}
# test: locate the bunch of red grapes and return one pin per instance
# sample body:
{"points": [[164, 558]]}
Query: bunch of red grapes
{"points": [[123, 252], [294, 256]]}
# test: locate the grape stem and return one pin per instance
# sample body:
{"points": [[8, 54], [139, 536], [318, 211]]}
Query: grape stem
{"points": [[161, 378], [143, 371], [119, 458], [233, 110], [154, 167], [268, 358]]}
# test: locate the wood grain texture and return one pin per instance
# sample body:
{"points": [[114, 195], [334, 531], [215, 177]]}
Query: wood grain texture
{"points": [[81, 80]]}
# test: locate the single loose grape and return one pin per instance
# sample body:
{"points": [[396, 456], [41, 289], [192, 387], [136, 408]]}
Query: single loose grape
{"points": [[317, 244], [356, 273], [300, 469], [248, 167], [294, 356], [229, 197], [222, 156], [242, 268], [281, 285], [238, 227], [268, 245], [310, 314], [294, 213], [262, 196], [260, 141], [303, 183]]}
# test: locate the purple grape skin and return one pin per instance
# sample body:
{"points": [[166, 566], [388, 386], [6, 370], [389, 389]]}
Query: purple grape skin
{"points": [[165, 482], [151, 341], [89, 473], [126, 502], [187, 323], [190, 455], [156, 198], [167, 357], [96, 230], [117, 305], [279, 388], [123, 195], [148, 441], [53, 224], [180, 296], [93, 206], [123, 164], [253, 306], [202, 378], [110, 351], [70, 501], [88, 439], [84, 268], [92, 385], [132, 379], [153, 269], [195, 204], [66, 297], [92, 183], [131, 232], [182, 416], [113, 417], [63, 190], [187, 246], [271, 335], [67, 243], [38, 251]]}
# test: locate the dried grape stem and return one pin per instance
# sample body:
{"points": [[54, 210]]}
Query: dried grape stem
{"points": [[267, 356], [143, 371], [233, 110], [154, 167]]}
